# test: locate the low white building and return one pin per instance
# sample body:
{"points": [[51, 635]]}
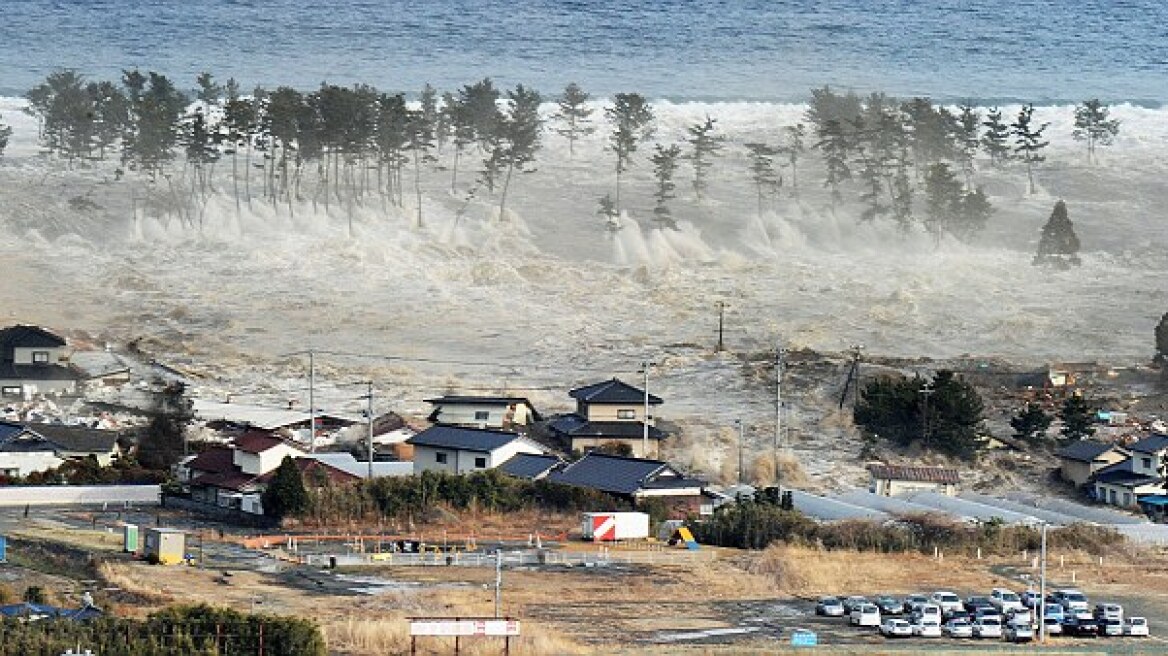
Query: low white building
{"points": [[23, 452], [461, 450], [500, 412], [891, 480]]}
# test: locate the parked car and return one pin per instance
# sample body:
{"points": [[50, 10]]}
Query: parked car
{"points": [[1053, 626], [976, 601], [1074, 625], [830, 607], [987, 626], [912, 601], [853, 602], [927, 628], [1109, 627], [947, 601], [987, 611], [889, 605], [1108, 612], [1136, 626], [1031, 599], [960, 615], [1070, 599], [893, 627], [928, 611], [1020, 615], [958, 628], [1055, 611], [1016, 631], [865, 615], [1005, 599]]}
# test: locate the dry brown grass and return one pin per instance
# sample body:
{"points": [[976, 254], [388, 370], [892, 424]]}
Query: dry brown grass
{"points": [[390, 636]]}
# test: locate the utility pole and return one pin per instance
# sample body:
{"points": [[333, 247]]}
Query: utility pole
{"points": [[311, 402], [721, 323], [645, 364], [370, 444], [1042, 590], [780, 352], [741, 451], [498, 580], [926, 392]]}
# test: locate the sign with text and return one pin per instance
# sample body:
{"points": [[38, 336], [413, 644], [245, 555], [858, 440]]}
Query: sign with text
{"points": [[464, 627]]}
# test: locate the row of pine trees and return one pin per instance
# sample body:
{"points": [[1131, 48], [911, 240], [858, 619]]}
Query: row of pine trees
{"points": [[911, 162]]}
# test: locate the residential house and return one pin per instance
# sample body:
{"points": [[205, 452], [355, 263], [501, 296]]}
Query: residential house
{"points": [[232, 477], [891, 480], [33, 360], [1141, 475], [348, 463], [531, 466], [260, 453], [637, 480], [498, 412], [611, 413], [1080, 460], [1148, 455], [24, 451], [460, 450], [76, 442]]}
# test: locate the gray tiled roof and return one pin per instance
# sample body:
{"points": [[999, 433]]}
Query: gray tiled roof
{"points": [[1121, 474], [1151, 444], [612, 391], [621, 475], [574, 425], [20, 336], [78, 439], [1084, 450], [463, 439], [529, 465], [908, 473]]}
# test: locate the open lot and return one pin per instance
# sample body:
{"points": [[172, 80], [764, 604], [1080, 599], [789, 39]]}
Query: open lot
{"points": [[719, 602]]}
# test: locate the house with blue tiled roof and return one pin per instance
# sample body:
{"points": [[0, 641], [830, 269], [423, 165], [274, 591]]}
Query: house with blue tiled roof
{"points": [[636, 480], [460, 450], [610, 413], [1081, 459]]}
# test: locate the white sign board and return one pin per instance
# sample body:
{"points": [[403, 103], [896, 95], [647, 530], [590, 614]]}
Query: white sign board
{"points": [[441, 627]]}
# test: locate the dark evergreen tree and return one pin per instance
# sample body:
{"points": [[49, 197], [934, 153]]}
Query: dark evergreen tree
{"points": [[930, 132], [943, 199], [995, 139], [285, 495], [1093, 126], [902, 195], [111, 114], [162, 442], [632, 123], [66, 114], [704, 146], [5, 135], [457, 119], [430, 117], [518, 137], [422, 129], [834, 144], [1059, 245], [1162, 340], [827, 106], [973, 212], [664, 166], [966, 129], [239, 123], [795, 144], [1028, 143], [1030, 423], [574, 116], [1077, 417], [762, 170], [944, 414], [210, 91], [608, 211], [155, 108]]}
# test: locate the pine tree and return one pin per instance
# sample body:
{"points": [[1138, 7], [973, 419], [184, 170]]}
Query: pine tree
{"points": [[943, 198], [1093, 126], [430, 116], [632, 123], [1059, 245], [966, 134], [1077, 417], [973, 212], [607, 210], [518, 136], [5, 135], [835, 147], [1028, 143], [704, 146], [902, 196], [574, 116], [285, 495], [762, 170], [1030, 423], [794, 147], [994, 139], [664, 166]]}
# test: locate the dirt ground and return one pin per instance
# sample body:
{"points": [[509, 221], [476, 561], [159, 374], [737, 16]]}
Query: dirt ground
{"points": [[722, 601]]}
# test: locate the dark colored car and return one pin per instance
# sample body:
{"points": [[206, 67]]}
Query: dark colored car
{"points": [[889, 605], [1078, 627], [959, 615], [973, 603]]}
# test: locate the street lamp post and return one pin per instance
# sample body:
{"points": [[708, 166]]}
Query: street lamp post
{"points": [[645, 364], [741, 451]]}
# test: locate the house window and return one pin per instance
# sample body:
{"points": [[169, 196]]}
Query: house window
{"points": [[480, 463], [40, 357], [440, 458], [626, 414], [10, 391], [482, 415], [1147, 463], [1111, 494]]}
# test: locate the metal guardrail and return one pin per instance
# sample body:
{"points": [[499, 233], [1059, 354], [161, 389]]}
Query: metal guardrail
{"points": [[510, 559]]}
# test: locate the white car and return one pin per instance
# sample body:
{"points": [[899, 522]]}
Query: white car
{"points": [[947, 602], [1005, 600], [927, 628], [865, 615], [928, 611], [1113, 628], [1018, 632], [1109, 612], [989, 626], [1136, 626], [1023, 616], [1053, 626], [958, 628], [895, 628], [1031, 599], [1072, 600]]}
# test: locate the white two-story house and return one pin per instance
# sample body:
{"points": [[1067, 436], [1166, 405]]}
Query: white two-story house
{"points": [[460, 450], [1141, 474], [33, 361], [498, 412]]}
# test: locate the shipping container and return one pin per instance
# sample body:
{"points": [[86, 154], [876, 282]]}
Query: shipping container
{"points": [[167, 545], [612, 526]]}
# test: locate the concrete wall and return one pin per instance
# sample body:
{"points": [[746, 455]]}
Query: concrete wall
{"points": [[891, 488], [583, 444], [23, 464], [79, 495]]}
